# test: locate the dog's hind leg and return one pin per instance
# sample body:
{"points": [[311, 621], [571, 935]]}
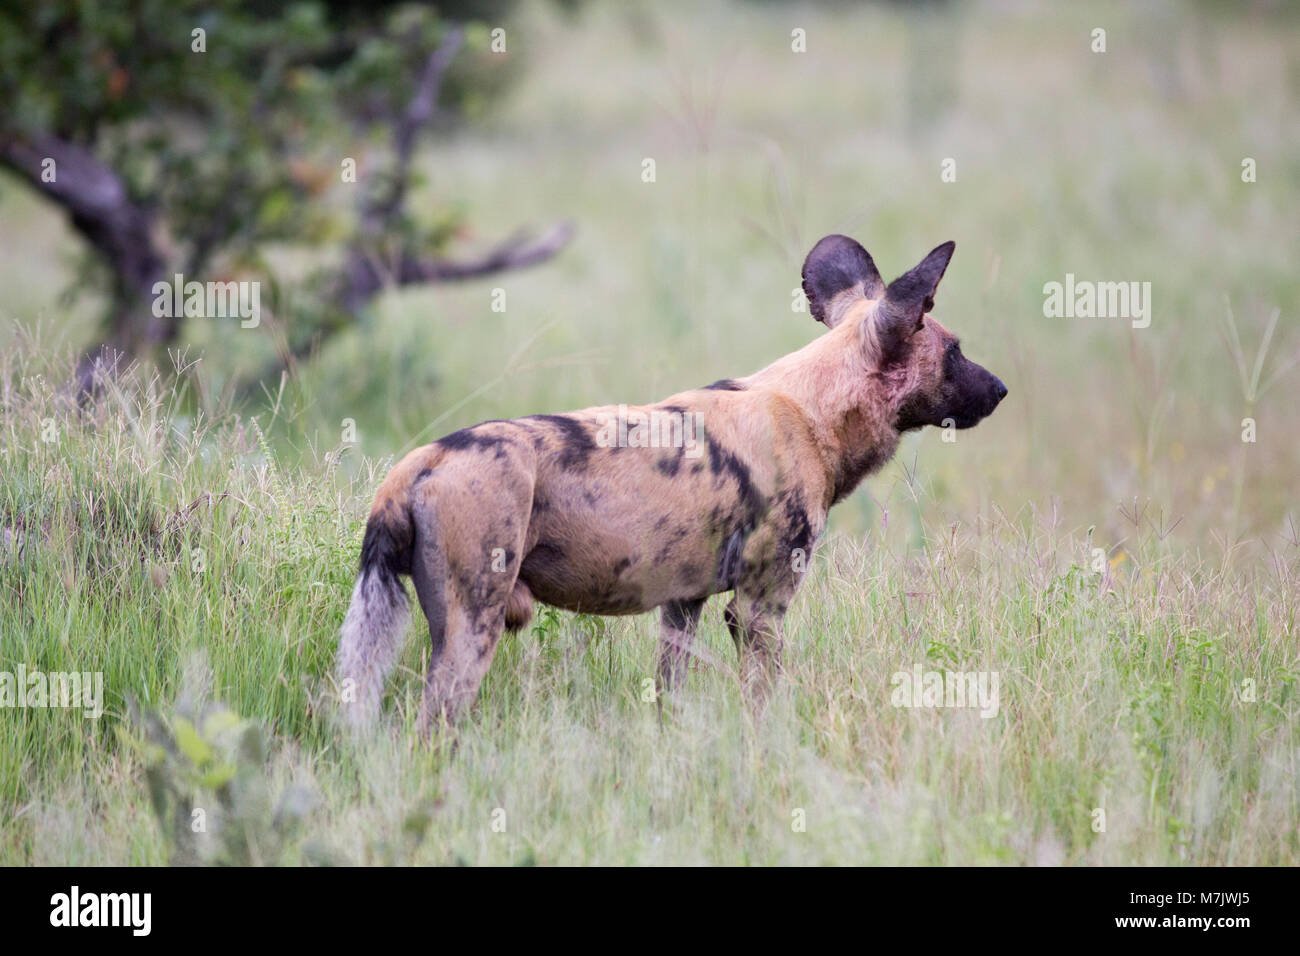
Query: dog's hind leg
{"points": [[677, 626], [429, 569], [454, 676], [466, 565]]}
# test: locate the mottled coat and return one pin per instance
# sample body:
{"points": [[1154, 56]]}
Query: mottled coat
{"points": [[548, 508]]}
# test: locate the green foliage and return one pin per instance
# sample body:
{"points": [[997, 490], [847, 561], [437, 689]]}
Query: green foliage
{"points": [[206, 771], [238, 144]]}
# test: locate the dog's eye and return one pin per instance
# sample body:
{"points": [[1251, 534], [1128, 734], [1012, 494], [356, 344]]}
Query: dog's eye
{"points": [[951, 358]]}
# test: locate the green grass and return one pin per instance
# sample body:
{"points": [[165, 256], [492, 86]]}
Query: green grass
{"points": [[197, 550], [186, 563]]}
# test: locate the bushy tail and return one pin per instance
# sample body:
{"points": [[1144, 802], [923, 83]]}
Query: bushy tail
{"points": [[372, 631]]}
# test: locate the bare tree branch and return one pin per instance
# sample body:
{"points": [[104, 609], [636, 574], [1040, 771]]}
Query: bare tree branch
{"points": [[366, 273], [120, 230], [367, 276], [378, 212], [517, 252], [96, 200]]}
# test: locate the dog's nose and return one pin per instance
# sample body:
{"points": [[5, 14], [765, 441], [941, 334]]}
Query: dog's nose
{"points": [[999, 389]]}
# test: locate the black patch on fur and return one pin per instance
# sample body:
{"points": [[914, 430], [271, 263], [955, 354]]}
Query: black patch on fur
{"points": [[798, 530], [576, 445], [683, 615], [725, 385], [466, 439], [386, 547], [917, 409], [723, 463], [670, 464], [853, 469]]}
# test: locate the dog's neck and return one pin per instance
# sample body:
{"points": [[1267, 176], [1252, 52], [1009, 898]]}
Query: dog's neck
{"points": [[848, 406]]}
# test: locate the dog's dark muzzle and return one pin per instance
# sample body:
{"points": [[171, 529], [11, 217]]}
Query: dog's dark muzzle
{"points": [[988, 395]]}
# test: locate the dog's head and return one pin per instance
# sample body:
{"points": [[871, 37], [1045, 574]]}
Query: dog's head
{"points": [[928, 380]]}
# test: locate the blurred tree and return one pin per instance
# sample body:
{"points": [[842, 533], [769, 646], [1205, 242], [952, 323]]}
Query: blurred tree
{"points": [[182, 137]]}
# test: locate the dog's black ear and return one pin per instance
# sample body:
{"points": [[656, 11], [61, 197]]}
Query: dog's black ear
{"points": [[907, 300], [837, 273], [915, 289]]}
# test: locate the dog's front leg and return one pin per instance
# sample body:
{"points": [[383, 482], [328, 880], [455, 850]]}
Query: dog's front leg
{"points": [[756, 627]]}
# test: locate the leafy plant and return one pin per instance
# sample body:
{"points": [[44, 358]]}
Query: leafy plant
{"points": [[206, 770]]}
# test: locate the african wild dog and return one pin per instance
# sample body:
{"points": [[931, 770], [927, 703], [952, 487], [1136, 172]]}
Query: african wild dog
{"points": [[492, 517]]}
